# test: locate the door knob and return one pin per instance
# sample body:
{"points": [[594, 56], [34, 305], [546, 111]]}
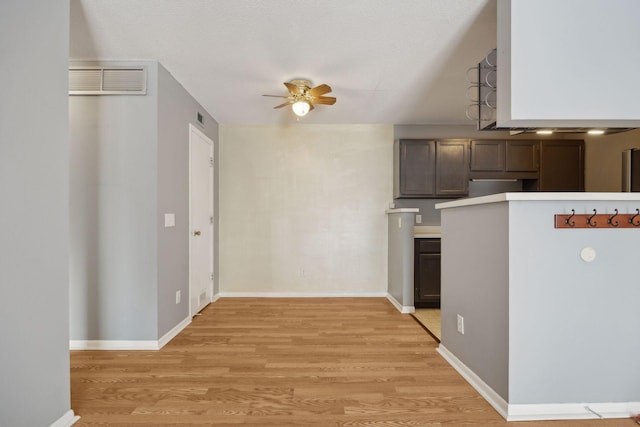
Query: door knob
{"points": [[197, 233]]}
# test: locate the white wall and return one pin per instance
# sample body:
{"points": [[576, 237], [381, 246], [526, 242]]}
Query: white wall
{"points": [[302, 208], [568, 63], [560, 307], [130, 166], [176, 109], [113, 199], [541, 326], [34, 219]]}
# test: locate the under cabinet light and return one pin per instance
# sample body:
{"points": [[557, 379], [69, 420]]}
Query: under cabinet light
{"points": [[595, 132], [544, 132]]}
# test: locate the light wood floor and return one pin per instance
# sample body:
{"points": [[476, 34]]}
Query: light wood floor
{"points": [[286, 362], [430, 318]]}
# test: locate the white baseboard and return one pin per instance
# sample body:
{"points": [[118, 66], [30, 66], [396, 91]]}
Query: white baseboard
{"points": [[572, 411], [539, 411], [68, 419], [173, 332], [404, 309], [113, 345], [130, 344], [494, 399], [301, 294], [215, 298]]}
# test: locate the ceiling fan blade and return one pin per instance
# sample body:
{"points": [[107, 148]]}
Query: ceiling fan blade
{"points": [[278, 96], [320, 90], [325, 100], [295, 90], [283, 104]]}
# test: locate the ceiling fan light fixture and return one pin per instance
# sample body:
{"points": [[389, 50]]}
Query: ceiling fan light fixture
{"points": [[300, 108]]}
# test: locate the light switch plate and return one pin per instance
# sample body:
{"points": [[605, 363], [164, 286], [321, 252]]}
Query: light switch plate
{"points": [[460, 324], [169, 220], [418, 219]]}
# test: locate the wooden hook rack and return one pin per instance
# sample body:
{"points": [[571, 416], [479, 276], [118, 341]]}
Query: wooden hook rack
{"points": [[596, 220]]}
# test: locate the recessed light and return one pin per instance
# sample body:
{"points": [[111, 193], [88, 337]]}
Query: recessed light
{"points": [[544, 132], [595, 132]]}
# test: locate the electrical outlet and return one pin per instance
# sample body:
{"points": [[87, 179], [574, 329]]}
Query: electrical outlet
{"points": [[418, 219], [399, 222], [178, 297], [461, 324]]}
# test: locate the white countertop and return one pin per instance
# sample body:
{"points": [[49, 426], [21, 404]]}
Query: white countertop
{"points": [[426, 232], [402, 210], [539, 196]]}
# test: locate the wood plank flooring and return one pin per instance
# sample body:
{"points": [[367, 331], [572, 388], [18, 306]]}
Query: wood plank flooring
{"points": [[286, 362]]}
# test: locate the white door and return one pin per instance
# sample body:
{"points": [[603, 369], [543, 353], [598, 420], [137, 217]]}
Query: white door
{"points": [[200, 220]]}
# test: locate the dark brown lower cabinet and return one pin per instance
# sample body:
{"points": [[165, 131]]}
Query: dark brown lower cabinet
{"points": [[426, 273]]}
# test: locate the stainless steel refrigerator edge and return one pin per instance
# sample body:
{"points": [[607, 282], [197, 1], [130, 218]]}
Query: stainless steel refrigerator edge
{"points": [[631, 170]]}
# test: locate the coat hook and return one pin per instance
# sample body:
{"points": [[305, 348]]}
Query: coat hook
{"points": [[589, 220], [568, 221], [610, 219], [634, 217]]}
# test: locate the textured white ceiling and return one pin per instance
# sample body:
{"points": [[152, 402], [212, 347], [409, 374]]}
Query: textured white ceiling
{"points": [[390, 62]]}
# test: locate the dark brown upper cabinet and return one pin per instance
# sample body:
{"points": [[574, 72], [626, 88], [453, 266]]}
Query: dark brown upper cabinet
{"points": [[521, 156], [561, 166], [488, 156], [497, 159], [452, 178], [430, 169], [417, 166]]}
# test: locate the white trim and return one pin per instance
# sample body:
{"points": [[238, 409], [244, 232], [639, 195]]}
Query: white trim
{"points": [[540, 196], [113, 345], [215, 298], [130, 344], [539, 411], [494, 399], [402, 210], [301, 294], [68, 419], [194, 129], [404, 309], [572, 411], [173, 332]]}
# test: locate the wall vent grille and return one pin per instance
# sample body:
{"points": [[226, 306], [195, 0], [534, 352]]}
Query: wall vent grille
{"points": [[90, 80]]}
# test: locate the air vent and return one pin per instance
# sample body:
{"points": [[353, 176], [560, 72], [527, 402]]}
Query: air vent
{"points": [[107, 81]]}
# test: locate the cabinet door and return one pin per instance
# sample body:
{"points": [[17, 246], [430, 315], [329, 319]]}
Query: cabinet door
{"points": [[452, 171], [561, 166], [417, 166], [427, 273], [429, 283], [522, 156], [487, 156]]}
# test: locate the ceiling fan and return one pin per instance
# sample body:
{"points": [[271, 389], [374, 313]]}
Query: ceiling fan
{"points": [[302, 96]]}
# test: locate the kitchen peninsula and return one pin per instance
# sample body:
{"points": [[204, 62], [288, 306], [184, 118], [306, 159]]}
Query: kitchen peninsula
{"points": [[543, 321]]}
